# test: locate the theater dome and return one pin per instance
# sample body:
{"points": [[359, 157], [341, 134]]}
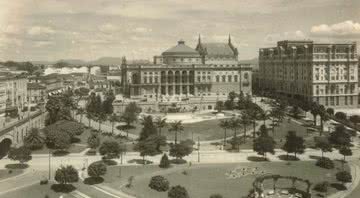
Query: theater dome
{"points": [[181, 49]]}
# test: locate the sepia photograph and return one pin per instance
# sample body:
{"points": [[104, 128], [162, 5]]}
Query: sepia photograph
{"points": [[179, 99]]}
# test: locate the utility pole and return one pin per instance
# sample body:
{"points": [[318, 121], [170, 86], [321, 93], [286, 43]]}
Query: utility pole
{"points": [[199, 149]]}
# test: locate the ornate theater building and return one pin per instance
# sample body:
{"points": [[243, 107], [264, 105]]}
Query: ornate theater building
{"points": [[184, 78]]}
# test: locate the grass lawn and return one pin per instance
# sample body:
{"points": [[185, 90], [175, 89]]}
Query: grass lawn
{"points": [[35, 191], [203, 180], [205, 130], [4, 173]]}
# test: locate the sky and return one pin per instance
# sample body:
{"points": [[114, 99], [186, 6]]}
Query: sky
{"points": [[49, 30]]}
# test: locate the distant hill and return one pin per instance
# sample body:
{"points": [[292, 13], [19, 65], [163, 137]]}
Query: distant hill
{"points": [[106, 61], [73, 61]]}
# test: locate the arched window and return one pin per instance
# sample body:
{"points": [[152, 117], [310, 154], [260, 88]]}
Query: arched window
{"points": [[229, 78], [217, 78], [246, 76], [223, 78], [235, 78]]}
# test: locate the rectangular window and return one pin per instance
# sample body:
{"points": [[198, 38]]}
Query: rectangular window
{"points": [[337, 100]]}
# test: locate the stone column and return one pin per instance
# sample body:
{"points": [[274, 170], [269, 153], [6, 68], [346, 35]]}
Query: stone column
{"points": [[180, 83]]}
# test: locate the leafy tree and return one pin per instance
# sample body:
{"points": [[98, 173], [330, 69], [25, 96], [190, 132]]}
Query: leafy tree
{"points": [[164, 162], [147, 147], [219, 106], [340, 137], [111, 149], [181, 150], [253, 115], [130, 114], [148, 129], [314, 111], [97, 169], [160, 123], [93, 141], [66, 174], [345, 151], [107, 104], [178, 192], [234, 125], [295, 111], [33, 140], [80, 111], [344, 177], [224, 124], [100, 117], [355, 119], [264, 115], [21, 154], [340, 115], [294, 144], [323, 117], [264, 144], [81, 92], [324, 145], [159, 183], [57, 109], [113, 118], [57, 139], [176, 127], [91, 104], [330, 111]]}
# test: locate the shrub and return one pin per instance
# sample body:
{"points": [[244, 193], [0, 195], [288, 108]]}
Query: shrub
{"points": [[216, 196], [159, 183], [322, 186], [91, 152], [164, 162], [330, 111], [44, 182], [325, 163], [340, 115], [344, 176], [178, 192], [109, 162], [97, 169]]}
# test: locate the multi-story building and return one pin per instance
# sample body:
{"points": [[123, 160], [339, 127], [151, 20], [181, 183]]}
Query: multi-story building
{"points": [[321, 72], [13, 93], [202, 75]]}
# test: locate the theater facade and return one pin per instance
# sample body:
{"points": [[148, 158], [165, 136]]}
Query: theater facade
{"points": [[186, 78]]}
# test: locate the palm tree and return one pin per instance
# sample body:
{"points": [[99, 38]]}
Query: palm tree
{"points": [[176, 127], [113, 118], [234, 125], [224, 124], [244, 121], [253, 114], [160, 122], [34, 140]]}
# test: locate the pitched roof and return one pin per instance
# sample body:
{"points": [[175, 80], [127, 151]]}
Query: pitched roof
{"points": [[218, 49], [180, 49]]}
